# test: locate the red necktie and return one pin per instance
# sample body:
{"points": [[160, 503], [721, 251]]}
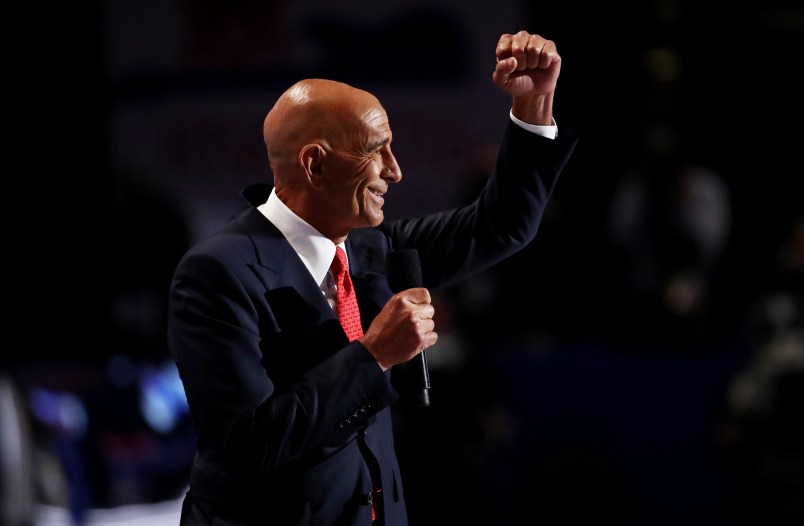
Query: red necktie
{"points": [[348, 313]]}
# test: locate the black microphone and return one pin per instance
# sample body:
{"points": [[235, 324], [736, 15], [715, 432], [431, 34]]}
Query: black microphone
{"points": [[405, 272]]}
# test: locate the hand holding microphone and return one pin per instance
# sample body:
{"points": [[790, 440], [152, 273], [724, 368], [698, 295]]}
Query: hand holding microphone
{"points": [[405, 327]]}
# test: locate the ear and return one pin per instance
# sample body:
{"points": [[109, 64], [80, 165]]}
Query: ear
{"points": [[311, 157]]}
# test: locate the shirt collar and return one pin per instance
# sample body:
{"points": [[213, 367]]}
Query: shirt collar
{"points": [[315, 250]]}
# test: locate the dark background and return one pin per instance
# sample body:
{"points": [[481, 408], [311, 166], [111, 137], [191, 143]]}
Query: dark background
{"points": [[641, 363]]}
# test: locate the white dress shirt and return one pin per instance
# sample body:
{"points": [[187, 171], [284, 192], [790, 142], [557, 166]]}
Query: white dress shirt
{"points": [[315, 250]]}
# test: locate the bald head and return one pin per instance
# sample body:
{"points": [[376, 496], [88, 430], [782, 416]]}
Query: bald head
{"points": [[320, 111]]}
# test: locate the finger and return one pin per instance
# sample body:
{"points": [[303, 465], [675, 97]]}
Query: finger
{"points": [[533, 51], [519, 46], [526, 47], [425, 311], [548, 55], [425, 326], [503, 50], [417, 295]]}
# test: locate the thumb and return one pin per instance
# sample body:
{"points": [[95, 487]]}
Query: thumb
{"points": [[503, 71]]}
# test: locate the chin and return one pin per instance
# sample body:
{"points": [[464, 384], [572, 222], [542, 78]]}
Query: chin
{"points": [[372, 217]]}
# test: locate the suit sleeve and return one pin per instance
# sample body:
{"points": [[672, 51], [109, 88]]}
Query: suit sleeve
{"points": [[502, 220]]}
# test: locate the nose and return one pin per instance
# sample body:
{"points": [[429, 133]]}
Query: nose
{"points": [[392, 172]]}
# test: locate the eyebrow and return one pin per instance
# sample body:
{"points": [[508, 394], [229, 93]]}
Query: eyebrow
{"points": [[379, 144]]}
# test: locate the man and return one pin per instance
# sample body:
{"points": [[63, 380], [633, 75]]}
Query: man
{"points": [[293, 416]]}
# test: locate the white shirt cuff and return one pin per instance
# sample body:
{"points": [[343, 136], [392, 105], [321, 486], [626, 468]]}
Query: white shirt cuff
{"points": [[551, 132]]}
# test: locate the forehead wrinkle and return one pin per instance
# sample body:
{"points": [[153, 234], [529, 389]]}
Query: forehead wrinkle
{"points": [[376, 117], [377, 128]]}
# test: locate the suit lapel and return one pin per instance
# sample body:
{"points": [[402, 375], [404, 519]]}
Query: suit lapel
{"points": [[278, 265]]}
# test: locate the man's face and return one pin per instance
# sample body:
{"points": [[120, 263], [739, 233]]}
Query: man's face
{"points": [[359, 171]]}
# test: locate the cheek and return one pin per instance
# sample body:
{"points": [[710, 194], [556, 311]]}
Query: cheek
{"points": [[358, 176], [364, 176]]}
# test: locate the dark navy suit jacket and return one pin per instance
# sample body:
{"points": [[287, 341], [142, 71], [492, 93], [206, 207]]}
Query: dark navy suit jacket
{"points": [[293, 421]]}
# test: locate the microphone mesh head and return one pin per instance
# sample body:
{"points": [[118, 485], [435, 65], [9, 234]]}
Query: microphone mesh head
{"points": [[404, 269]]}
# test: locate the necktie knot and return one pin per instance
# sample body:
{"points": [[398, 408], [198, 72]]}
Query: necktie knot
{"points": [[346, 301], [339, 264]]}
